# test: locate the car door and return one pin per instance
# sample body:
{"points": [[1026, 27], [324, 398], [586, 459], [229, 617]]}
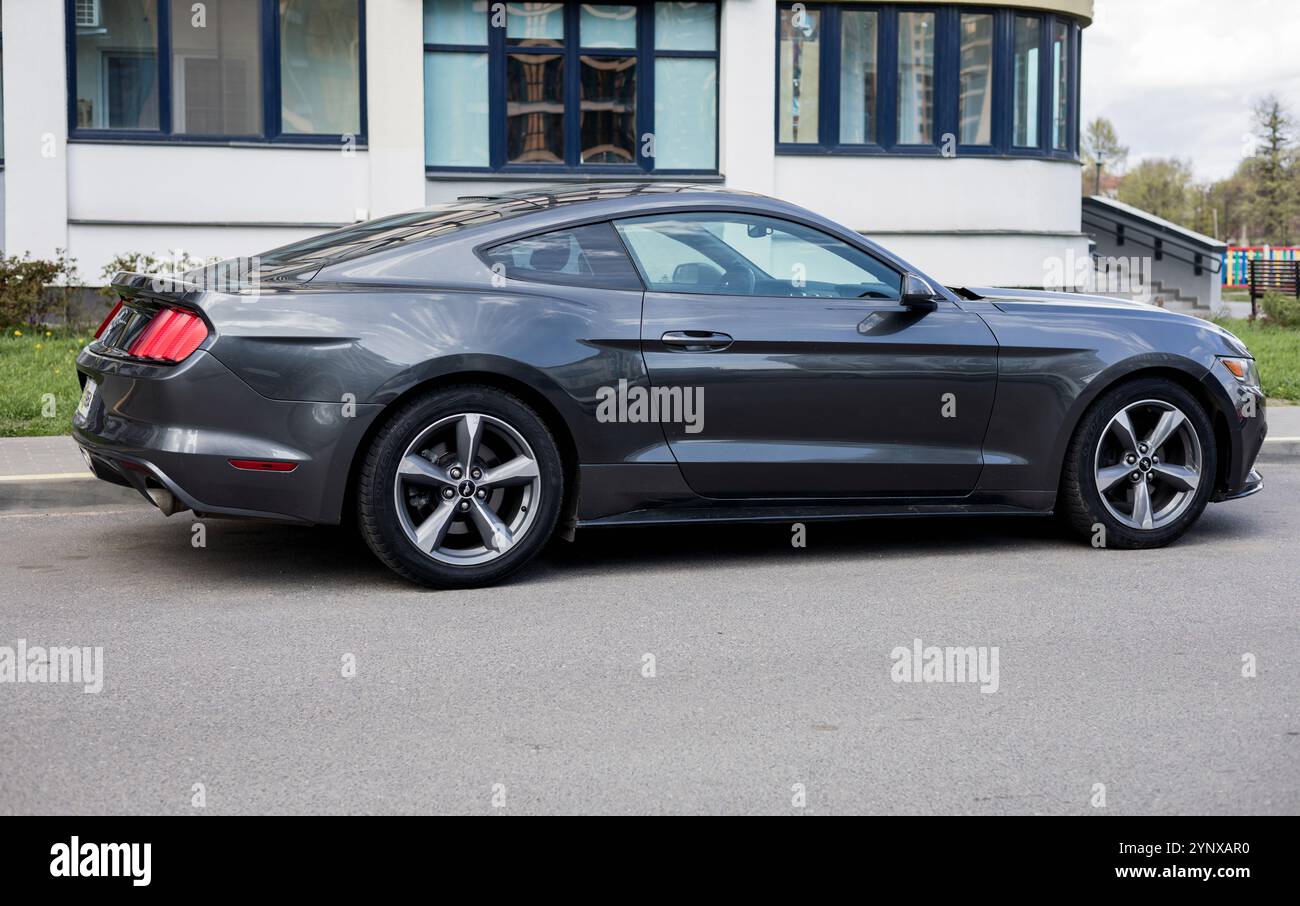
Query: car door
{"points": [[813, 380]]}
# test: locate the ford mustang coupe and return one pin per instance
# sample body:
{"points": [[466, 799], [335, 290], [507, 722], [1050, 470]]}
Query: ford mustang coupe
{"points": [[467, 381]]}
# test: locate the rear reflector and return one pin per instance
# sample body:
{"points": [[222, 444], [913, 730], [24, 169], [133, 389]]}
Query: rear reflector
{"points": [[263, 465], [170, 337], [109, 320]]}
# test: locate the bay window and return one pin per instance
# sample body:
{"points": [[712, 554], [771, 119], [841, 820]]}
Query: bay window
{"points": [[975, 98], [1026, 77], [916, 78], [859, 66], [535, 87], [889, 78], [248, 70]]}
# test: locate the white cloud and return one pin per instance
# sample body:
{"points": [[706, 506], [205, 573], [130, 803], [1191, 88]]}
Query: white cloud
{"points": [[1179, 77]]}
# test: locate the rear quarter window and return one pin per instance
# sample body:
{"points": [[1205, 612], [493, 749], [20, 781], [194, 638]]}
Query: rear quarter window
{"points": [[589, 255]]}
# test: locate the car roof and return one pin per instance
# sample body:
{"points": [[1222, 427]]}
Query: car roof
{"points": [[472, 211]]}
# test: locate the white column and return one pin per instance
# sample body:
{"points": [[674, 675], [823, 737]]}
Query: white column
{"points": [[395, 104], [36, 128], [747, 89]]}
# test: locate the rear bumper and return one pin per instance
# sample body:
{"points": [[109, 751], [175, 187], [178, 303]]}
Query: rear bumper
{"points": [[171, 431]]}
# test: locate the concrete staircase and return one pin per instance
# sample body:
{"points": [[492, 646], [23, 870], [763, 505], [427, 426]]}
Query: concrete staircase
{"points": [[1172, 299]]}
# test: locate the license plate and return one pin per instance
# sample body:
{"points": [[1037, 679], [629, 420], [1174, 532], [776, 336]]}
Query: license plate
{"points": [[87, 397]]}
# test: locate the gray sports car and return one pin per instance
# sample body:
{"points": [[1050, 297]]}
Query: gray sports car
{"points": [[469, 380]]}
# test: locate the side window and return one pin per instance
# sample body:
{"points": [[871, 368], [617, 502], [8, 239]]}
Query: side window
{"points": [[751, 255], [588, 255]]}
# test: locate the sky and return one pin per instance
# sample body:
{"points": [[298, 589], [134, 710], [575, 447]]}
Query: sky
{"points": [[1178, 77]]}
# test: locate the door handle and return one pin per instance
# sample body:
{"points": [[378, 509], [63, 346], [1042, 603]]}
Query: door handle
{"points": [[695, 340]]}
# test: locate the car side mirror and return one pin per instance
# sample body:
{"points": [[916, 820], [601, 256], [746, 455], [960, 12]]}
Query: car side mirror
{"points": [[918, 294]]}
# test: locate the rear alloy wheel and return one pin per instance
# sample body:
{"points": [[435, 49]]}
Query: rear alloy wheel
{"points": [[460, 488], [1142, 464]]}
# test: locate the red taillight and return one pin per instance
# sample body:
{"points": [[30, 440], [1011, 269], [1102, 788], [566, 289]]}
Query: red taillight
{"points": [[263, 465], [170, 337], [109, 320]]}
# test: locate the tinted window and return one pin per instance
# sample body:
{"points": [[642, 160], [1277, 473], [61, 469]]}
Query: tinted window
{"points": [[746, 254], [582, 256]]}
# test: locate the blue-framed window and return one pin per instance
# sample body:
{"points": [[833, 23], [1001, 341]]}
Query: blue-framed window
{"points": [[881, 78], [547, 87], [283, 71]]}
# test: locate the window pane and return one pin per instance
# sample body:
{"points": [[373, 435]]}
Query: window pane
{"points": [[2, 99], [217, 68], [535, 108], [1060, 86], [607, 110], [535, 24], [608, 26], [751, 255], [117, 66], [320, 83], [859, 32], [976, 89], [1025, 80], [686, 114], [800, 68], [455, 22], [915, 78], [686, 26], [456, 110], [586, 256]]}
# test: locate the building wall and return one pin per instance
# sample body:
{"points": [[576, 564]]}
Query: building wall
{"points": [[966, 220]]}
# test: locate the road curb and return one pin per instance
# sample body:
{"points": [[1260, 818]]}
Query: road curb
{"points": [[76, 489], [60, 491], [1280, 449]]}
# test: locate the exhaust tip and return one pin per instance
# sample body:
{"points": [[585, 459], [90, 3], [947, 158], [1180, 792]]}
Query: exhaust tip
{"points": [[165, 500]]}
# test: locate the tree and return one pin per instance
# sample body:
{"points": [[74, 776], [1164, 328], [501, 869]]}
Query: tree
{"points": [[1272, 171], [1164, 188], [1101, 145]]}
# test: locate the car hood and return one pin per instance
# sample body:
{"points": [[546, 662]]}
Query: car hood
{"points": [[1057, 300], [1021, 301]]}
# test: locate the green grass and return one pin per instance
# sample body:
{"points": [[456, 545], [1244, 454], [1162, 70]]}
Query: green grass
{"points": [[34, 362], [1276, 349]]}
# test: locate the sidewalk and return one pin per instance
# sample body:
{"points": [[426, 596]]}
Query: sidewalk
{"points": [[48, 471], [38, 473]]}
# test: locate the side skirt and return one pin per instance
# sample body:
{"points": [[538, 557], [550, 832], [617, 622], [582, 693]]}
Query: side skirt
{"points": [[682, 515]]}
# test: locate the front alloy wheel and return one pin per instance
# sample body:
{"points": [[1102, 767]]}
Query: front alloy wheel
{"points": [[1148, 464], [1140, 466]]}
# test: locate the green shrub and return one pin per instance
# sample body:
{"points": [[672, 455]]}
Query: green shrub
{"points": [[33, 290], [1283, 311]]}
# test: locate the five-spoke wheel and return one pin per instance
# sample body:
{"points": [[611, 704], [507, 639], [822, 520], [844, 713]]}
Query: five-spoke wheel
{"points": [[1140, 467], [461, 487], [1148, 464], [467, 489]]}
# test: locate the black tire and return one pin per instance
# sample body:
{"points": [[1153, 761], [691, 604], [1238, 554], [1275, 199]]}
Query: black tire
{"points": [[1080, 502], [378, 517]]}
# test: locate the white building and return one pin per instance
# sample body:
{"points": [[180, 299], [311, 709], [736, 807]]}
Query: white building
{"points": [[948, 131]]}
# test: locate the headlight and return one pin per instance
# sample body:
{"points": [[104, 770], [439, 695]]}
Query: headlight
{"points": [[1244, 370]]}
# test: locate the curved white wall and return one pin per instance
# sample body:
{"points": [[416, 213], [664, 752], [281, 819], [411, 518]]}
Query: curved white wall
{"points": [[933, 193]]}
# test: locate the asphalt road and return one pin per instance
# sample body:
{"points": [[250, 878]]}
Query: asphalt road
{"points": [[223, 666]]}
